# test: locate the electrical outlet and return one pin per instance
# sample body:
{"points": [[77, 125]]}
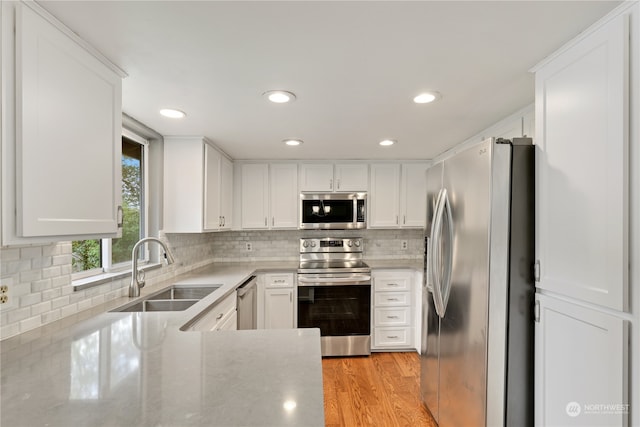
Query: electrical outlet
{"points": [[404, 245], [249, 247], [4, 296]]}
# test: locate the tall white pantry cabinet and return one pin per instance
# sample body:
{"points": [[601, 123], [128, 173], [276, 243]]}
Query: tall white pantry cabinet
{"points": [[587, 218]]}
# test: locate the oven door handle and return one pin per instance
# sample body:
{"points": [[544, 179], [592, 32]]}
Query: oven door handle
{"points": [[334, 281]]}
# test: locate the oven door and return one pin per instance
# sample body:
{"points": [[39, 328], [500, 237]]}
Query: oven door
{"points": [[339, 306]]}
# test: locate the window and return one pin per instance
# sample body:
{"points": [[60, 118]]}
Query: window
{"points": [[91, 257]]}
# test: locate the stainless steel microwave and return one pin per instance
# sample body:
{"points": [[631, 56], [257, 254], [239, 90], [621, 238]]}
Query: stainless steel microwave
{"points": [[333, 211]]}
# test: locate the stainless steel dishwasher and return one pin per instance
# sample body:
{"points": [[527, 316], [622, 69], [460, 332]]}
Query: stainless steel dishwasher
{"points": [[247, 304]]}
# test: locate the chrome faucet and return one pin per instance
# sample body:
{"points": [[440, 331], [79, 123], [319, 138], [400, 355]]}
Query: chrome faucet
{"points": [[137, 277]]}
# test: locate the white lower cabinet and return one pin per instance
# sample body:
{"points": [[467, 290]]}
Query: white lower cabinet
{"points": [[392, 311], [581, 367], [221, 316], [277, 304]]}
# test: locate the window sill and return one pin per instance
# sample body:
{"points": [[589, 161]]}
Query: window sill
{"points": [[101, 279]]}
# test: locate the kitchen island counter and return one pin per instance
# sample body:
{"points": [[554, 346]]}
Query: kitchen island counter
{"points": [[140, 369]]}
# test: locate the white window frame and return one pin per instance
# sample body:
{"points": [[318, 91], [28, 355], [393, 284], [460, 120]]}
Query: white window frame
{"points": [[105, 244]]}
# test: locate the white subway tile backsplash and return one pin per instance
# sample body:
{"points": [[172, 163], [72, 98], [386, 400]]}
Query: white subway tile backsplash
{"points": [[40, 276]]}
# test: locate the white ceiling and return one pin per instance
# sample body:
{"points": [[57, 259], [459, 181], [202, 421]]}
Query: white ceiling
{"points": [[355, 67]]}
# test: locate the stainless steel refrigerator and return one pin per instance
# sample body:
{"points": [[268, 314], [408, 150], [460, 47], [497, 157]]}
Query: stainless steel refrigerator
{"points": [[478, 290]]}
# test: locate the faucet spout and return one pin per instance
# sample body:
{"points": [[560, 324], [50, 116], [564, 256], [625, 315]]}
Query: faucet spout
{"points": [[137, 277]]}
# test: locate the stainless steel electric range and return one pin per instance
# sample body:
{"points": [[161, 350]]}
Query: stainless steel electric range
{"points": [[334, 294]]}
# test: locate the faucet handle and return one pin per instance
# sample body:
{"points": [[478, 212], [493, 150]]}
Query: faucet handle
{"points": [[140, 278]]}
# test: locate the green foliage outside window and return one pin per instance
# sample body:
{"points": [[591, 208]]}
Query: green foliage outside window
{"points": [[86, 255]]}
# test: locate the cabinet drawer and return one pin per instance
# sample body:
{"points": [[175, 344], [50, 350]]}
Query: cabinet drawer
{"points": [[214, 315], [278, 280], [386, 299], [392, 337], [392, 283], [392, 316]]}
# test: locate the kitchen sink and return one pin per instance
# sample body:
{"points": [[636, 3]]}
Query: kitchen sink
{"points": [[179, 292], [173, 298], [158, 305]]}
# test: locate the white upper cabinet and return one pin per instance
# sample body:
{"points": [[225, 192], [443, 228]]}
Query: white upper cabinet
{"points": [[582, 124], [269, 195], [413, 195], [284, 199], [197, 186], [61, 132], [384, 198], [398, 195], [218, 184], [330, 177], [255, 196]]}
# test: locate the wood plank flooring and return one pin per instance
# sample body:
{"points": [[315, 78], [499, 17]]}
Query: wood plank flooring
{"points": [[380, 390]]}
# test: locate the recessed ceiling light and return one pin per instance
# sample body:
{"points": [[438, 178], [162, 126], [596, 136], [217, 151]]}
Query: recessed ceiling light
{"points": [[427, 97], [387, 142], [293, 142], [279, 96], [174, 114]]}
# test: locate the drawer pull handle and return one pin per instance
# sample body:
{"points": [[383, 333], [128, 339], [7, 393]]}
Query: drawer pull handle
{"points": [[392, 336], [392, 317], [219, 316], [392, 284], [393, 299]]}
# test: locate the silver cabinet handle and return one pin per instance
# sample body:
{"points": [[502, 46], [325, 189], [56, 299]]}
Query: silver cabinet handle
{"points": [[397, 220], [392, 336], [393, 299], [404, 219], [392, 317], [265, 221], [331, 184], [338, 184], [219, 316], [273, 221], [392, 284]]}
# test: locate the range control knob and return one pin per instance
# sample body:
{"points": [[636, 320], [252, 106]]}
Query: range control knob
{"points": [[313, 244], [357, 243], [305, 244], [350, 243]]}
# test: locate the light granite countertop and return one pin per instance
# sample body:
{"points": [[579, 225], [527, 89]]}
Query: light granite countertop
{"points": [[139, 369], [105, 368]]}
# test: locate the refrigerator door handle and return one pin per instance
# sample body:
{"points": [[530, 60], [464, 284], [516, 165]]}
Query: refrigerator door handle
{"points": [[446, 279], [435, 256]]}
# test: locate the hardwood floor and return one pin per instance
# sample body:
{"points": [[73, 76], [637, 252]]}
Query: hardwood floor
{"points": [[380, 390]]}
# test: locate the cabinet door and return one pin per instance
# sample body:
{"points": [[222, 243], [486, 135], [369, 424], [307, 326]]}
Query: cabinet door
{"points": [[384, 197], [255, 196], [229, 323], [69, 124], [278, 308], [351, 177], [284, 196], [582, 169], [212, 217], [316, 177], [580, 363], [226, 193], [413, 195], [184, 180]]}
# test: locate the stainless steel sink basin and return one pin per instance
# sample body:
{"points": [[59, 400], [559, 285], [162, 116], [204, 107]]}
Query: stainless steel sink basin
{"points": [[184, 292], [173, 298], [159, 305]]}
